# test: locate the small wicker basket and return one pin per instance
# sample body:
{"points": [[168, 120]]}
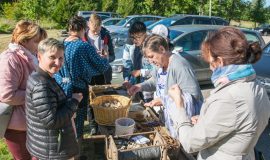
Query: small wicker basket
{"points": [[106, 115]]}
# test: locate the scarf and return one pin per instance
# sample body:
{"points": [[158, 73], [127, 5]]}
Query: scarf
{"points": [[226, 74]]}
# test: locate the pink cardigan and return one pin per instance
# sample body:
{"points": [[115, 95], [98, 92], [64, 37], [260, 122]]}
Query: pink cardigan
{"points": [[17, 64]]}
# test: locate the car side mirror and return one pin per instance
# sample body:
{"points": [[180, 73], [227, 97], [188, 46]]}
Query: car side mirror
{"points": [[177, 50]]}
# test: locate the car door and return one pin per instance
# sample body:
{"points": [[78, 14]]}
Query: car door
{"points": [[191, 44]]}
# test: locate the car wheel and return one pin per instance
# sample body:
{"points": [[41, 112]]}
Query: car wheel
{"points": [[265, 33]]}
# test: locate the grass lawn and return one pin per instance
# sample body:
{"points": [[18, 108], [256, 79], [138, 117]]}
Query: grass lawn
{"points": [[6, 38]]}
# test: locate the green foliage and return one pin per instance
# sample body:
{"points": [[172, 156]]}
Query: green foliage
{"points": [[12, 11], [5, 28], [33, 9], [125, 7], [60, 11], [109, 5], [258, 12], [4, 153]]}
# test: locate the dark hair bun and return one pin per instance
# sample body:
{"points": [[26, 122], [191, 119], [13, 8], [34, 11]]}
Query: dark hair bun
{"points": [[254, 52]]}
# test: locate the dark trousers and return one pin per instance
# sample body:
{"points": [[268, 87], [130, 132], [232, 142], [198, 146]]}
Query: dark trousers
{"points": [[98, 80], [102, 79], [16, 142]]}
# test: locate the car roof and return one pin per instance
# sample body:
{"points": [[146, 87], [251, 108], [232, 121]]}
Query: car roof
{"points": [[177, 16], [191, 28], [145, 15], [112, 19]]}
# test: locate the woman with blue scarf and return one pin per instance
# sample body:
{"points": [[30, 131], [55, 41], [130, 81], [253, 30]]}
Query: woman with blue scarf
{"points": [[237, 111]]}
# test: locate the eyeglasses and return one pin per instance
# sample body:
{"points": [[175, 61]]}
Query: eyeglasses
{"points": [[137, 36]]}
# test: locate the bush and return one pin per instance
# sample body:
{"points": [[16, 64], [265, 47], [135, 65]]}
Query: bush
{"points": [[4, 153], [12, 11], [5, 28]]}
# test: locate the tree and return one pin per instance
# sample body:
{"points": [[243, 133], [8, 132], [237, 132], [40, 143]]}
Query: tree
{"points": [[125, 7], [62, 11], [12, 11], [33, 9], [258, 12], [109, 5]]}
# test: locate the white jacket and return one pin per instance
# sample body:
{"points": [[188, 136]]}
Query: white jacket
{"points": [[230, 123]]}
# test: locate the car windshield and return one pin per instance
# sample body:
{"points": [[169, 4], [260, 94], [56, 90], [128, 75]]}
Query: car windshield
{"points": [[166, 22], [123, 21], [174, 34]]}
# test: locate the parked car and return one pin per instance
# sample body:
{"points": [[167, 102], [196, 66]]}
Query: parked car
{"points": [[119, 31], [187, 40], [111, 21], [88, 13], [148, 23], [190, 19], [262, 71], [264, 29]]}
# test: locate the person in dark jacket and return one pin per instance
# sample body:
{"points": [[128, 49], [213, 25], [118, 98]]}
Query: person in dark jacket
{"points": [[99, 37], [50, 133]]}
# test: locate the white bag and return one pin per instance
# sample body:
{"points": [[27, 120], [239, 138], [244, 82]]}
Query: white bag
{"points": [[5, 114]]}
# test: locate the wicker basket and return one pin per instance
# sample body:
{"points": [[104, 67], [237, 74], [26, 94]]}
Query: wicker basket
{"points": [[107, 116]]}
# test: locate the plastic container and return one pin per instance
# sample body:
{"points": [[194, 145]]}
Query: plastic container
{"points": [[124, 126]]}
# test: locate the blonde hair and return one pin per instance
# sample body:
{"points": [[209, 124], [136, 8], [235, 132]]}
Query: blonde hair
{"points": [[95, 20], [26, 30]]}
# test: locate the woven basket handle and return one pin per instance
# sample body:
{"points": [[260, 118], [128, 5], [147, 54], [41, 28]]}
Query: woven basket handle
{"points": [[132, 98]]}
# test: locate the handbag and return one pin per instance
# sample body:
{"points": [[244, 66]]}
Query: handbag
{"points": [[5, 115]]}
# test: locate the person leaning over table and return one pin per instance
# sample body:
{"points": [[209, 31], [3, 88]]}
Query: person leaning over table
{"points": [[176, 69], [236, 112], [17, 63], [50, 134], [81, 63]]}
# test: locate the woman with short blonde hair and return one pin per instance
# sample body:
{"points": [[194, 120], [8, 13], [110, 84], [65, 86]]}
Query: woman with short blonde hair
{"points": [[17, 63], [52, 135]]}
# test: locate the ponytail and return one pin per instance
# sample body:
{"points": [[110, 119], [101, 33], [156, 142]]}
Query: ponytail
{"points": [[254, 52]]}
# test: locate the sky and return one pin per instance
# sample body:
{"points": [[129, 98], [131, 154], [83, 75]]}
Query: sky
{"points": [[267, 2]]}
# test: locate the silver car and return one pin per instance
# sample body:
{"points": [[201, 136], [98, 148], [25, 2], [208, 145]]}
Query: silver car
{"points": [[119, 31], [187, 40]]}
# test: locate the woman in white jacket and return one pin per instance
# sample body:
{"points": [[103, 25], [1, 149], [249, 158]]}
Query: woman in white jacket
{"points": [[237, 110]]}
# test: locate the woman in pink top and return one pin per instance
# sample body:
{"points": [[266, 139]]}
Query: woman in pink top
{"points": [[17, 63]]}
